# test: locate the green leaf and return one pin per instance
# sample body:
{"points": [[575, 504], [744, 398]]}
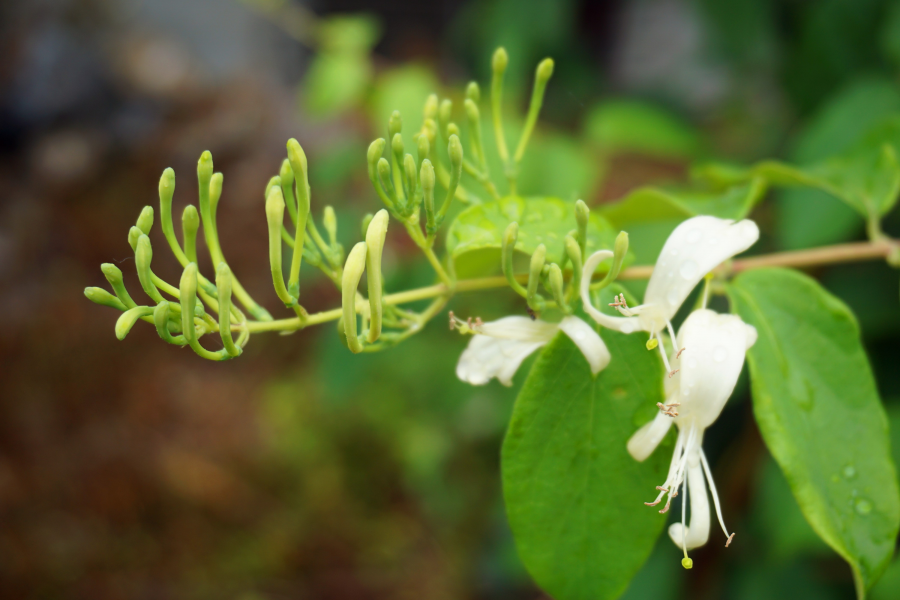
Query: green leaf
{"points": [[479, 229], [336, 81], [574, 496], [815, 400], [629, 126]]}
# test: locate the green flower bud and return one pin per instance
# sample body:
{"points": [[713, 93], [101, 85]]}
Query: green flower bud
{"points": [[452, 129], [535, 272], [499, 60], [133, 234], [215, 191], [297, 158], [384, 176], [190, 223], [223, 287], [329, 221], [445, 113], [510, 235], [275, 220], [473, 92], [545, 70], [423, 148], [286, 181], [397, 147], [145, 220], [366, 221], [114, 277], [143, 255], [161, 320], [353, 270], [129, 318], [557, 287], [376, 150], [395, 124], [582, 216], [573, 252], [426, 176], [205, 168], [275, 180], [166, 193], [375, 236], [286, 173], [412, 180], [429, 128], [431, 106], [102, 297]]}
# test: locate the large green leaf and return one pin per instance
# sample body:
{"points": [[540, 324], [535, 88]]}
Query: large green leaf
{"points": [[815, 400], [574, 496], [480, 228]]}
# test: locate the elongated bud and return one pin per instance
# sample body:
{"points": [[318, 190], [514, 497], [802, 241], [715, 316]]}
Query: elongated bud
{"points": [[545, 70], [375, 235], [366, 221], [275, 220], [166, 193], [205, 171], [114, 277], [329, 221], [510, 235], [286, 173], [423, 148], [473, 92], [190, 224], [274, 180], [535, 271], [474, 118], [582, 216], [129, 318], [102, 297], [500, 60], [397, 146], [453, 129], [145, 219], [498, 65], [143, 255], [455, 150], [431, 107], [401, 184], [557, 286], [297, 158], [215, 190], [133, 234], [620, 251], [161, 320], [541, 77], [384, 176], [223, 288], [412, 179], [426, 176], [395, 124], [353, 270], [429, 129], [445, 113], [375, 152]]}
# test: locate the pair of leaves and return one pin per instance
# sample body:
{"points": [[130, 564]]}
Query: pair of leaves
{"points": [[574, 495]]}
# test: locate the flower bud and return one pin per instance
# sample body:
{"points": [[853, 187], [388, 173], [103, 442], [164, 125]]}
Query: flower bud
{"points": [[376, 150], [384, 176], [161, 320], [445, 113], [205, 170], [133, 234], [473, 92], [582, 216], [453, 129], [508, 247], [128, 318], [455, 150], [423, 148], [190, 223], [274, 180], [215, 191], [395, 124], [143, 255], [429, 129], [275, 221], [166, 193], [426, 176], [412, 180], [300, 168], [545, 70], [499, 60], [353, 270], [557, 287], [366, 221], [431, 107], [535, 272], [375, 236], [286, 173], [145, 220], [223, 287], [114, 276], [102, 297], [573, 252], [329, 221]]}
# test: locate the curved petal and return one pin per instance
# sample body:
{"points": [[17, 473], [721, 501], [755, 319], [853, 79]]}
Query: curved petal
{"points": [[647, 438], [695, 248], [588, 341], [697, 533], [518, 328], [713, 353], [623, 324], [486, 357]]}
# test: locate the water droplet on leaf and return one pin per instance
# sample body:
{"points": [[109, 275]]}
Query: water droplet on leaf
{"points": [[863, 507]]}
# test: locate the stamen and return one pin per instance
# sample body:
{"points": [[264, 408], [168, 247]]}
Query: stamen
{"points": [[673, 372], [465, 327], [730, 537], [668, 409], [677, 356], [684, 502], [662, 352], [671, 330], [715, 495]]}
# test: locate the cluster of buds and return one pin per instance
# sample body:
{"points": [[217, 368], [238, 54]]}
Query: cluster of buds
{"points": [[404, 183]]}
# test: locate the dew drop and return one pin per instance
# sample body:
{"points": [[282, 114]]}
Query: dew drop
{"points": [[863, 507], [692, 363], [694, 236], [849, 472], [689, 269], [720, 354], [672, 297]]}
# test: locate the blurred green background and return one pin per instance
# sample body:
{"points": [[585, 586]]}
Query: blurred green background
{"points": [[136, 470]]}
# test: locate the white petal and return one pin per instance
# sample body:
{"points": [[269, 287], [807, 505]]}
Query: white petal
{"points": [[519, 328], [695, 248], [647, 438], [697, 532], [623, 324], [714, 349], [486, 357], [587, 340]]}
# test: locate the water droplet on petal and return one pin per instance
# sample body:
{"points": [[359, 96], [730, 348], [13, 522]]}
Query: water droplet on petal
{"points": [[863, 507], [692, 363], [849, 472], [672, 297], [694, 236], [720, 354], [689, 269]]}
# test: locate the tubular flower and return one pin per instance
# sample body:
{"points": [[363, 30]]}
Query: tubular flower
{"points": [[693, 249], [715, 346], [498, 347]]}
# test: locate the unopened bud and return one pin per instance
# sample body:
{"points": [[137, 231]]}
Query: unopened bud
{"points": [[145, 219], [557, 287], [412, 177], [500, 60], [582, 216], [133, 234], [395, 124], [366, 221], [431, 107], [300, 168], [353, 270], [545, 69], [397, 144], [102, 297], [445, 113], [166, 188], [215, 190], [423, 147], [205, 168], [129, 318], [114, 276], [473, 92], [329, 221], [536, 270], [276, 180], [143, 256], [453, 129], [455, 150], [375, 236], [286, 173], [426, 176]]}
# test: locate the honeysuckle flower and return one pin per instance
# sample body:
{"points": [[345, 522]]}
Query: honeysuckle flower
{"points": [[498, 347], [693, 249], [714, 349]]}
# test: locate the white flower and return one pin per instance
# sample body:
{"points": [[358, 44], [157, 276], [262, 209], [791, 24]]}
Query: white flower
{"points": [[714, 348], [499, 347], [695, 248]]}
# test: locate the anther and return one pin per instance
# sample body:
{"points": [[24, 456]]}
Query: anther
{"points": [[673, 372], [668, 409], [679, 353], [730, 537], [452, 321]]}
